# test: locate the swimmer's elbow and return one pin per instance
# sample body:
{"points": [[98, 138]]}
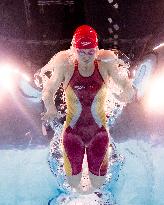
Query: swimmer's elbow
{"points": [[52, 85]]}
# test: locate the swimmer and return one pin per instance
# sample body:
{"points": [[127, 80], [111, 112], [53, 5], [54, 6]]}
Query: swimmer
{"points": [[85, 71]]}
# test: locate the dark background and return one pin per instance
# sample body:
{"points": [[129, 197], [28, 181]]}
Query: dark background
{"points": [[140, 22]]}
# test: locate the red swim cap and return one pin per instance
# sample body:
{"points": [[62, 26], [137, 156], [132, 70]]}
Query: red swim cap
{"points": [[85, 37]]}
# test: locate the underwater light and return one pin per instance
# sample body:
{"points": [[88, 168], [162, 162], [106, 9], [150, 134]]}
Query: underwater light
{"points": [[159, 46], [10, 76], [154, 101], [6, 79]]}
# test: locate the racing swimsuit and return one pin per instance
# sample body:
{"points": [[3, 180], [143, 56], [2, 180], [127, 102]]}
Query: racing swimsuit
{"points": [[85, 126]]}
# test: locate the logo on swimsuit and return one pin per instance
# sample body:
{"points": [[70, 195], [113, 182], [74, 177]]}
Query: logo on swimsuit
{"points": [[79, 87]]}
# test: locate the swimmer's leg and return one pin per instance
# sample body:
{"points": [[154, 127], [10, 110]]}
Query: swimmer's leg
{"points": [[97, 156], [74, 180], [73, 153]]}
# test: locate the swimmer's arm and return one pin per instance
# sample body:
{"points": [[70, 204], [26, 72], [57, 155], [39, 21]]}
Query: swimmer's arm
{"points": [[48, 68], [52, 85], [123, 81]]}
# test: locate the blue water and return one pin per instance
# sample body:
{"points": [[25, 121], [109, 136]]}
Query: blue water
{"points": [[25, 177]]}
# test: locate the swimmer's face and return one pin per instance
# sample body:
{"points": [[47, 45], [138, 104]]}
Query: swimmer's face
{"points": [[86, 55]]}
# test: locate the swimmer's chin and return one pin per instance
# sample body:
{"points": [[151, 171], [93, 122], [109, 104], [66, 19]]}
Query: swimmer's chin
{"points": [[87, 61]]}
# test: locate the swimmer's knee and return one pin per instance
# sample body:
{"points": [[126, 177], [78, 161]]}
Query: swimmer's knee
{"points": [[74, 180], [97, 181]]}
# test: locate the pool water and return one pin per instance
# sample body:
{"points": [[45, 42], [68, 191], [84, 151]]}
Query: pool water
{"points": [[25, 177]]}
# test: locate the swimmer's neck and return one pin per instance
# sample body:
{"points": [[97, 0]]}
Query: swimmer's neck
{"points": [[85, 65]]}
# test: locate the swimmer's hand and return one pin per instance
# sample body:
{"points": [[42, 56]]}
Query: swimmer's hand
{"points": [[50, 115]]}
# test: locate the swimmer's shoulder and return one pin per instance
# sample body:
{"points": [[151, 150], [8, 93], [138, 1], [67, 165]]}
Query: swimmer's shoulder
{"points": [[106, 55], [61, 58], [65, 63]]}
